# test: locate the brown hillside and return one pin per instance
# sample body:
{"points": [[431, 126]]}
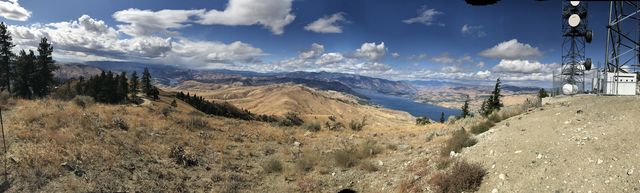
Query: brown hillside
{"points": [[312, 105]]}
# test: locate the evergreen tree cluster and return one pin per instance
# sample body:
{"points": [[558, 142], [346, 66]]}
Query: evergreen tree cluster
{"points": [[219, 109], [26, 75], [492, 103], [105, 88]]}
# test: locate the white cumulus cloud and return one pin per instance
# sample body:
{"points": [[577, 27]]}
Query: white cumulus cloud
{"points": [[327, 24], [521, 66], [12, 10], [272, 14], [371, 51], [512, 49], [147, 22]]}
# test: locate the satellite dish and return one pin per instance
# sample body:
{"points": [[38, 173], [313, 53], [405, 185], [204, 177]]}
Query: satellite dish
{"points": [[588, 36], [574, 3], [569, 89], [574, 20], [587, 64]]}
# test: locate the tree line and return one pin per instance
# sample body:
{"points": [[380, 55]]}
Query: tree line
{"points": [[26, 74], [112, 88]]}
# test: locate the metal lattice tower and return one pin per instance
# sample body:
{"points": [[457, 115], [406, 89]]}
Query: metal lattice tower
{"points": [[576, 35], [623, 35]]}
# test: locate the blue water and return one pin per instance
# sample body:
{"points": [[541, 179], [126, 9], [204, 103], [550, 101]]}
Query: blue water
{"points": [[406, 104]]}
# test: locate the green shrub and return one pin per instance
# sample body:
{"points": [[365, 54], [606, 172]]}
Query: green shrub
{"points": [[179, 155], [119, 123], [311, 126], [460, 139], [481, 127], [291, 119], [333, 125], [83, 101], [358, 125], [272, 165], [422, 121], [463, 177], [305, 164], [345, 158], [197, 122], [368, 149], [166, 110]]}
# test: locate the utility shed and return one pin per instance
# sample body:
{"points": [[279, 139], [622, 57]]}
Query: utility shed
{"points": [[618, 83]]}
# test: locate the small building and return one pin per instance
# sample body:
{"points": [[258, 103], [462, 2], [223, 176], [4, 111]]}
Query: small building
{"points": [[618, 83]]}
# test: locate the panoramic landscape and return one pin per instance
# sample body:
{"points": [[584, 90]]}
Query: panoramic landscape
{"points": [[319, 96]]}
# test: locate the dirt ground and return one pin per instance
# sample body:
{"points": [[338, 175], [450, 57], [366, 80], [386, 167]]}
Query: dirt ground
{"points": [[572, 144]]}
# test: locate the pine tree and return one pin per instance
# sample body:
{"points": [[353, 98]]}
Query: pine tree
{"points": [[542, 93], [24, 74], [174, 103], [495, 103], [442, 117], [6, 69], [123, 86], [134, 84], [45, 65], [465, 108], [146, 82], [154, 93]]}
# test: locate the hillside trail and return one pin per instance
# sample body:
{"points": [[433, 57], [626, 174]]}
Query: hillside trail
{"points": [[572, 144]]}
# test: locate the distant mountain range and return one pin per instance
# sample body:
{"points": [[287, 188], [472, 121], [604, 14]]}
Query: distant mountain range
{"points": [[171, 76], [341, 82]]}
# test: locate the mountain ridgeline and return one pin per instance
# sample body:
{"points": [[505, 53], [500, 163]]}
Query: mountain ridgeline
{"points": [[171, 76]]}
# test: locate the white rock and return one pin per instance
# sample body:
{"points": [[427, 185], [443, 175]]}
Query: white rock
{"points": [[502, 176], [539, 156], [296, 144], [599, 161], [630, 171], [519, 151], [380, 163], [495, 190]]}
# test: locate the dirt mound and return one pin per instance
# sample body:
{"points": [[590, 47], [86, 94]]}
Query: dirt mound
{"points": [[572, 144]]}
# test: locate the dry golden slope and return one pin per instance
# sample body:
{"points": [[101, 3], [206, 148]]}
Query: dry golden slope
{"points": [[312, 105]]}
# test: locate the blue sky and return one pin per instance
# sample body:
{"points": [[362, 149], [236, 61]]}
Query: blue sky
{"points": [[518, 41]]}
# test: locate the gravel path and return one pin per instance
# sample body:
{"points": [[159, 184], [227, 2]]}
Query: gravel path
{"points": [[572, 144]]}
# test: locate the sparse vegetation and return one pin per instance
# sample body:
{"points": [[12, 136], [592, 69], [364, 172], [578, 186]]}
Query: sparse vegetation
{"points": [[272, 165], [460, 139], [333, 125], [462, 177], [181, 157], [345, 158], [358, 125], [314, 127], [423, 121], [83, 101], [291, 119], [305, 163], [481, 126], [368, 166], [166, 110], [197, 122]]}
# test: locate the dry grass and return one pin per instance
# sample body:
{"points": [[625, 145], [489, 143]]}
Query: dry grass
{"points": [[273, 165], [460, 139], [481, 127], [463, 177]]}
